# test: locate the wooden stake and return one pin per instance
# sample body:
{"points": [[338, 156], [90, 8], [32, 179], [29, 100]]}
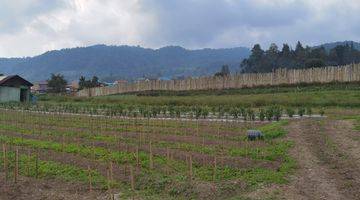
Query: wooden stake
{"points": [[137, 157], [132, 178], [111, 171], [108, 184], [151, 157], [5, 160], [16, 169], [37, 164], [90, 178], [215, 168], [28, 163], [190, 167]]}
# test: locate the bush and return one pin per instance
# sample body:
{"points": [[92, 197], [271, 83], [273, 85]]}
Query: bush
{"points": [[290, 112], [251, 114], [309, 111], [269, 113], [277, 110], [301, 111], [261, 114]]}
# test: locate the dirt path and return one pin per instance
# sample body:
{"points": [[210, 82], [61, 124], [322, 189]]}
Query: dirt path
{"points": [[344, 135], [325, 170]]}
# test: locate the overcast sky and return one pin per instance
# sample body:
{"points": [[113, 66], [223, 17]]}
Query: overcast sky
{"points": [[31, 27]]}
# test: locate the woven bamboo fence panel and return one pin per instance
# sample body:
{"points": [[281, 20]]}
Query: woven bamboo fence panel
{"points": [[348, 73]]}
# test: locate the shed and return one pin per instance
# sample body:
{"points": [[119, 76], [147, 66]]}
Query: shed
{"points": [[14, 88]]}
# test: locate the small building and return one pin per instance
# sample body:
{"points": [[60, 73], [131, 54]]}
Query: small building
{"points": [[72, 87], [120, 82], [40, 87], [14, 88]]}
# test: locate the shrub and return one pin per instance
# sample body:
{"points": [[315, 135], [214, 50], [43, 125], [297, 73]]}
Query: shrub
{"points": [[301, 111], [290, 112], [309, 111], [251, 114], [269, 113], [243, 113], [277, 110], [261, 114], [322, 111]]}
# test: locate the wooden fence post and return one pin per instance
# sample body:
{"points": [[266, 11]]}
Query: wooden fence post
{"points": [[190, 167], [151, 162], [37, 164], [137, 157], [16, 169], [90, 178], [5, 160], [215, 168], [132, 178]]}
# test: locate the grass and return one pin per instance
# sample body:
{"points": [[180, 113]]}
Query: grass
{"points": [[314, 95], [333, 98]]}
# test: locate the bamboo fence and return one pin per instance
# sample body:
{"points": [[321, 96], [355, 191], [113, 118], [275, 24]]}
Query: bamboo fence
{"points": [[348, 73]]}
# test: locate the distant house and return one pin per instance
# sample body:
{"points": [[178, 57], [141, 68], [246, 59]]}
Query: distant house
{"points": [[40, 87], [118, 82], [72, 87], [14, 88]]}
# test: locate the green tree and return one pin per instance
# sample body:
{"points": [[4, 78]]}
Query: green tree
{"points": [[225, 71], [57, 83], [95, 81], [82, 82]]}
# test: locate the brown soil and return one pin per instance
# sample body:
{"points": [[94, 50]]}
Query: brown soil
{"points": [[50, 189], [326, 170], [200, 158]]}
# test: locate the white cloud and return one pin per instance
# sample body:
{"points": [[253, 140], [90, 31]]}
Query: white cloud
{"points": [[33, 26]]}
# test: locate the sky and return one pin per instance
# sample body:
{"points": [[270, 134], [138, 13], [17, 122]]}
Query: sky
{"points": [[32, 27]]}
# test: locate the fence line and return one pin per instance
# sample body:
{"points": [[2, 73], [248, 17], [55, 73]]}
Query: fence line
{"points": [[347, 73]]}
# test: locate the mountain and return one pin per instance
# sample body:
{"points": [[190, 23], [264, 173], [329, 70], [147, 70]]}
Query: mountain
{"points": [[329, 46], [124, 62]]}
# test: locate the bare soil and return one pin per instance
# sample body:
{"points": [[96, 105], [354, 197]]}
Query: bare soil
{"points": [[49, 189]]}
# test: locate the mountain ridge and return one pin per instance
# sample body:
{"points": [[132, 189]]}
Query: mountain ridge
{"points": [[125, 62], [111, 62]]}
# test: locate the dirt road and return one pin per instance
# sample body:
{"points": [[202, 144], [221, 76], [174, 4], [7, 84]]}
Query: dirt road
{"points": [[328, 160]]}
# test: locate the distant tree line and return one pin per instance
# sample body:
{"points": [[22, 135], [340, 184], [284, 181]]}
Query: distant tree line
{"points": [[301, 57]]}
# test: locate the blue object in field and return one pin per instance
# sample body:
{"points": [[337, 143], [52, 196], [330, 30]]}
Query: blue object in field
{"points": [[34, 99], [254, 134]]}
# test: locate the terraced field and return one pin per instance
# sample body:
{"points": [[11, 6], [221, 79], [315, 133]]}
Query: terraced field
{"points": [[137, 158]]}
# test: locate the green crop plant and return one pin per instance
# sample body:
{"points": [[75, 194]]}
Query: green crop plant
{"points": [[290, 112], [251, 114], [269, 113], [277, 111], [309, 111], [262, 114], [301, 111]]}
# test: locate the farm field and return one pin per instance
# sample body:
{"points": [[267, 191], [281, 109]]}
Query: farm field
{"points": [[90, 150]]}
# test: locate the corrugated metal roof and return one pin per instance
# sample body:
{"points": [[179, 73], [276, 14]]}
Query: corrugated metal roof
{"points": [[4, 79]]}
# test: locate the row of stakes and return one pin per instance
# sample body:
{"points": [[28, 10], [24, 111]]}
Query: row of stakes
{"points": [[109, 172]]}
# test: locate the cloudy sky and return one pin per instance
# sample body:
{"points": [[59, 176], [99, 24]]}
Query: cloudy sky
{"points": [[31, 27]]}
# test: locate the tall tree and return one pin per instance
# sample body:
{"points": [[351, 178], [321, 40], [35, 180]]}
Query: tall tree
{"points": [[57, 83], [82, 82]]}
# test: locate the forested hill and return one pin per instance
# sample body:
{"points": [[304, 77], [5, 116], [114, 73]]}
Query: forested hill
{"points": [[330, 54], [124, 62]]}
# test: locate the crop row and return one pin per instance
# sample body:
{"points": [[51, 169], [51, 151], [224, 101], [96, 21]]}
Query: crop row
{"points": [[169, 111]]}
